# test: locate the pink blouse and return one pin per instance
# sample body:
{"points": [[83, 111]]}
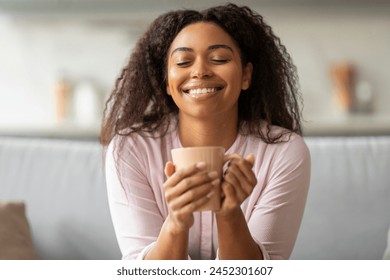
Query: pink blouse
{"points": [[273, 211]]}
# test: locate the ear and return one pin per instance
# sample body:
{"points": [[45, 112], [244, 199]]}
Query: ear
{"points": [[247, 76]]}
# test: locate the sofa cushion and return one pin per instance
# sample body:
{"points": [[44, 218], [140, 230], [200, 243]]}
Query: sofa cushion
{"points": [[62, 184], [15, 237], [348, 205]]}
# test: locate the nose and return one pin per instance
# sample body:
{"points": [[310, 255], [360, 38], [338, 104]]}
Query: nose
{"points": [[200, 70]]}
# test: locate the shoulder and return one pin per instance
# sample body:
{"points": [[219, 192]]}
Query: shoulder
{"points": [[290, 147], [291, 157], [129, 140], [285, 138], [144, 146], [288, 159]]}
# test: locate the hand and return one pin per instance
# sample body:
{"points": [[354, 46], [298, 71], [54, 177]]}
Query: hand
{"points": [[238, 183], [186, 190]]}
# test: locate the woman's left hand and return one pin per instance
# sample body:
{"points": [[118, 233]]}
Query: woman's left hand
{"points": [[237, 184]]}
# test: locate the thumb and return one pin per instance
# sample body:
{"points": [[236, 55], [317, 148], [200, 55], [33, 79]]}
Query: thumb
{"points": [[251, 159], [169, 169]]}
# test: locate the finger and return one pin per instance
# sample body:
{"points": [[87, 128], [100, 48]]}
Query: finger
{"points": [[228, 190], [196, 180], [169, 169], [246, 172], [190, 208], [185, 172], [230, 157], [245, 166], [251, 159], [230, 199], [235, 157], [194, 194], [245, 188], [189, 184], [235, 183]]}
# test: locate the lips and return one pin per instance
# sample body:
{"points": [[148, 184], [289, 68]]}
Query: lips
{"points": [[202, 91]]}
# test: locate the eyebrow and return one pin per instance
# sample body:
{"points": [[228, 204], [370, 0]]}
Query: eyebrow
{"points": [[212, 47]]}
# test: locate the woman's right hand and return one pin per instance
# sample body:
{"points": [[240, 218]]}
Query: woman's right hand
{"points": [[186, 190]]}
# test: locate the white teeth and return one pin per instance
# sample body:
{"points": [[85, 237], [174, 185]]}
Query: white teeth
{"points": [[201, 91]]}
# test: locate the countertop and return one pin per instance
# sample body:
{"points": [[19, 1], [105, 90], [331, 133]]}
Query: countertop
{"points": [[61, 131], [348, 125]]}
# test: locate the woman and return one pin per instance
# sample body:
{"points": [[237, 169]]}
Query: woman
{"points": [[218, 77]]}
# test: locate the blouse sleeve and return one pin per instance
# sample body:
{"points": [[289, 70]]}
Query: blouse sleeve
{"points": [[276, 215], [135, 214]]}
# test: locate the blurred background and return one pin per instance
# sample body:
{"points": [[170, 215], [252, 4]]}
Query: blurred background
{"points": [[59, 60]]}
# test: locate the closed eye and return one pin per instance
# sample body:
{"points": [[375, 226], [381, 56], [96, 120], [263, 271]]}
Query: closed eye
{"points": [[183, 63], [220, 61]]}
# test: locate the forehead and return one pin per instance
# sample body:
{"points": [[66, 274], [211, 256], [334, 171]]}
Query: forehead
{"points": [[202, 35]]}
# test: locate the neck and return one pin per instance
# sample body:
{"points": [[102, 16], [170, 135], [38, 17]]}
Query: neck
{"points": [[207, 132]]}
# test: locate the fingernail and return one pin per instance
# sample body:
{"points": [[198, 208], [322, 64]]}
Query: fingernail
{"points": [[213, 174], [216, 182], [210, 194], [250, 157], [200, 165]]}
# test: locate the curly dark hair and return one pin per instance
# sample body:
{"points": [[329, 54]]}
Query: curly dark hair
{"points": [[139, 102]]}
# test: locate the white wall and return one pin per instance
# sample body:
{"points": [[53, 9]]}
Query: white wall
{"points": [[34, 51], [318, 38], [34, 54]]}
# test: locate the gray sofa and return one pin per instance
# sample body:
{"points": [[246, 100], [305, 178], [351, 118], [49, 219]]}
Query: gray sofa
{"points": [[61, 183], [347, 213]]}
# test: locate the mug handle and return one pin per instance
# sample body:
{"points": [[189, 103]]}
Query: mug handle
{"points": [[228, 157]]}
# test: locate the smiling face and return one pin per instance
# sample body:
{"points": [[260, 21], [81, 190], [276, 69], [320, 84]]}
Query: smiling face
{"points": [[205, 75]]}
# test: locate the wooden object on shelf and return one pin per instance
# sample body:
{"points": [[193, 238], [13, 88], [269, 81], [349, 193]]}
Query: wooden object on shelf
{"points": [[343, 77], [62, 96]]}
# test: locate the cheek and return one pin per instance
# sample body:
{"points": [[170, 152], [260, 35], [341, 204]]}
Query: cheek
{"points": [[173, 77], [235, 80], [170, 81], [232, 74], [175, 80]]}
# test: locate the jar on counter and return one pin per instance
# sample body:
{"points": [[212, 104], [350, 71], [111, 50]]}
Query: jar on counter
{"points": [[364, 97], [86, 104]]}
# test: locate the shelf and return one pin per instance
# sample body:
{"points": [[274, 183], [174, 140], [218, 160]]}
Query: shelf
{"points": [[348, 125], [65, 131]]}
